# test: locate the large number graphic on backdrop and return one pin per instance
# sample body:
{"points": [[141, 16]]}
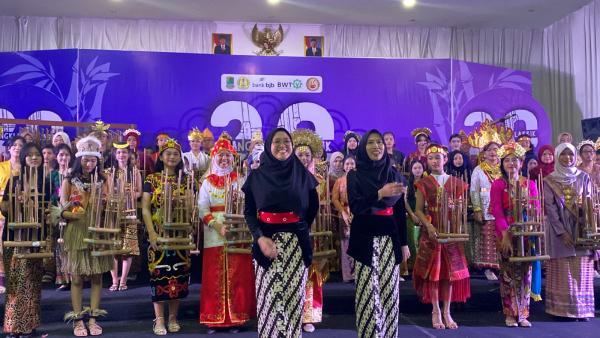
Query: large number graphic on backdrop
{"points": [[172, 92]]}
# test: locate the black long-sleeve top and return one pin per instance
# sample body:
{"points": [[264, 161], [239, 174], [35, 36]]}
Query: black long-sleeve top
{"points": [[300, 229], [366, 226]]}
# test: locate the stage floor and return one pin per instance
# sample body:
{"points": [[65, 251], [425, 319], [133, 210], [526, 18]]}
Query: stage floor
{"points": [[130, 314]]}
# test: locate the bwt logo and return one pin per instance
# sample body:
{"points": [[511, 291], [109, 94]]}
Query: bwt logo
{"points": [[296, 84]]}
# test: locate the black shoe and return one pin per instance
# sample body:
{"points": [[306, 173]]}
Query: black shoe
{"points": [[586, 319]]}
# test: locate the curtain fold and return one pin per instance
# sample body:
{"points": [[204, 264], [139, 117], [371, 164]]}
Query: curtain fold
{"points": [[35, 33]]}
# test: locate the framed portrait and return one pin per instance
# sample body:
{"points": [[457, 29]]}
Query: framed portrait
{"points": [[222, 43], [313, 45]]}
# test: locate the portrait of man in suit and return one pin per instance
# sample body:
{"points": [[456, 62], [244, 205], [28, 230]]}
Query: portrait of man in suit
{"points": [[313, 45], [222, 43]]}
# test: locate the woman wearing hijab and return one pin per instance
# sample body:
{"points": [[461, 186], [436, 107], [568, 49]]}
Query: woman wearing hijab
{"points": [[378, 241], [545, 163], [227, 297], [336, 167], [281, 202], [351, 140], [458, 165], [569, 281]]}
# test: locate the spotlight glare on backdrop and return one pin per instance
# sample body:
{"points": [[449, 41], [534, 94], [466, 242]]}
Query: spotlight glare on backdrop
{"points": [[273, 2], [409, 3]]}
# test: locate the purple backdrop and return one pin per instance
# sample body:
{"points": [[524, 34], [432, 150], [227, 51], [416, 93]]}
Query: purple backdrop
{"points": [[173, 92]]}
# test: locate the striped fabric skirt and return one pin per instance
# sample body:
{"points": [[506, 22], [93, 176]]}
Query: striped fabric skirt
{"points": [[570, 287], [280, 290], [485, 253], [377, 292]]}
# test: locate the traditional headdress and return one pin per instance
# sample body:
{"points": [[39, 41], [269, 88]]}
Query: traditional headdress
{"points": [[310, 139], [121, 145], [223, 143], [195, 135], [488, 133], [132, 132], [257, 136], [524, 135], [170, 144], [421, 131], [206, 133], [165, 135], [100, 126], [88, 146], [436, 148], [511, 148], [598, 143], [586, 143]]}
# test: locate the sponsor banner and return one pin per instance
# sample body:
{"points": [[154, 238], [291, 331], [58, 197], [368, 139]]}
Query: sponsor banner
{"points": [[271, 83]]}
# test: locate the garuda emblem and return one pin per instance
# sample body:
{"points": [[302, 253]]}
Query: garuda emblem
{"points": [[267, 40]]}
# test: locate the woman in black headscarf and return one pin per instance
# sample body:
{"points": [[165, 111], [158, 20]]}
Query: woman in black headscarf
{"points": [[281, 202], [351, 140], [378, 240], [458, 165]]}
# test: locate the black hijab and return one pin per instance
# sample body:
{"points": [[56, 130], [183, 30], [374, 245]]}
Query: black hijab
{"points": [[373, 175], [347, 138], [280, 185], [455, 171]]}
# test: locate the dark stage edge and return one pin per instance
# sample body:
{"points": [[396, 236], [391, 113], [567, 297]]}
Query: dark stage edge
{"points": [[130, 314]]}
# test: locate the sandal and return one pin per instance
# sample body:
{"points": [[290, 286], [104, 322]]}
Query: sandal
{"points": [[511, 321], [159, 330], [450, 323], [436, 321], [113, 287], [173, 326], [79, 329], [95, 329], [122, 287], [524, 323]]}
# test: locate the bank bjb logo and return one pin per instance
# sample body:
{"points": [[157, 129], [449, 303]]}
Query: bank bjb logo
{"points": [[313, 84], [229, 82], [243, 82]]}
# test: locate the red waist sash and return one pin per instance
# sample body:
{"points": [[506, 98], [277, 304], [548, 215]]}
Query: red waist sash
{"points": [[278, 217], [217, 208], [384, 212]]}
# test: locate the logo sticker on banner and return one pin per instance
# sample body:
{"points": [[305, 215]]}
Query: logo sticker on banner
{"points": [[271, 83]]}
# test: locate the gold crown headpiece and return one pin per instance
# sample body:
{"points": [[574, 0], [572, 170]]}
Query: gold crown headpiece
{"points": [[511, 148], [421, 131], [310, 139], [598, 143], [195, 135], [436, 148], [100, 126], [586, 143], [487, 133], [206, 133], [257, 136], [117, 145], [170, 144]]}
